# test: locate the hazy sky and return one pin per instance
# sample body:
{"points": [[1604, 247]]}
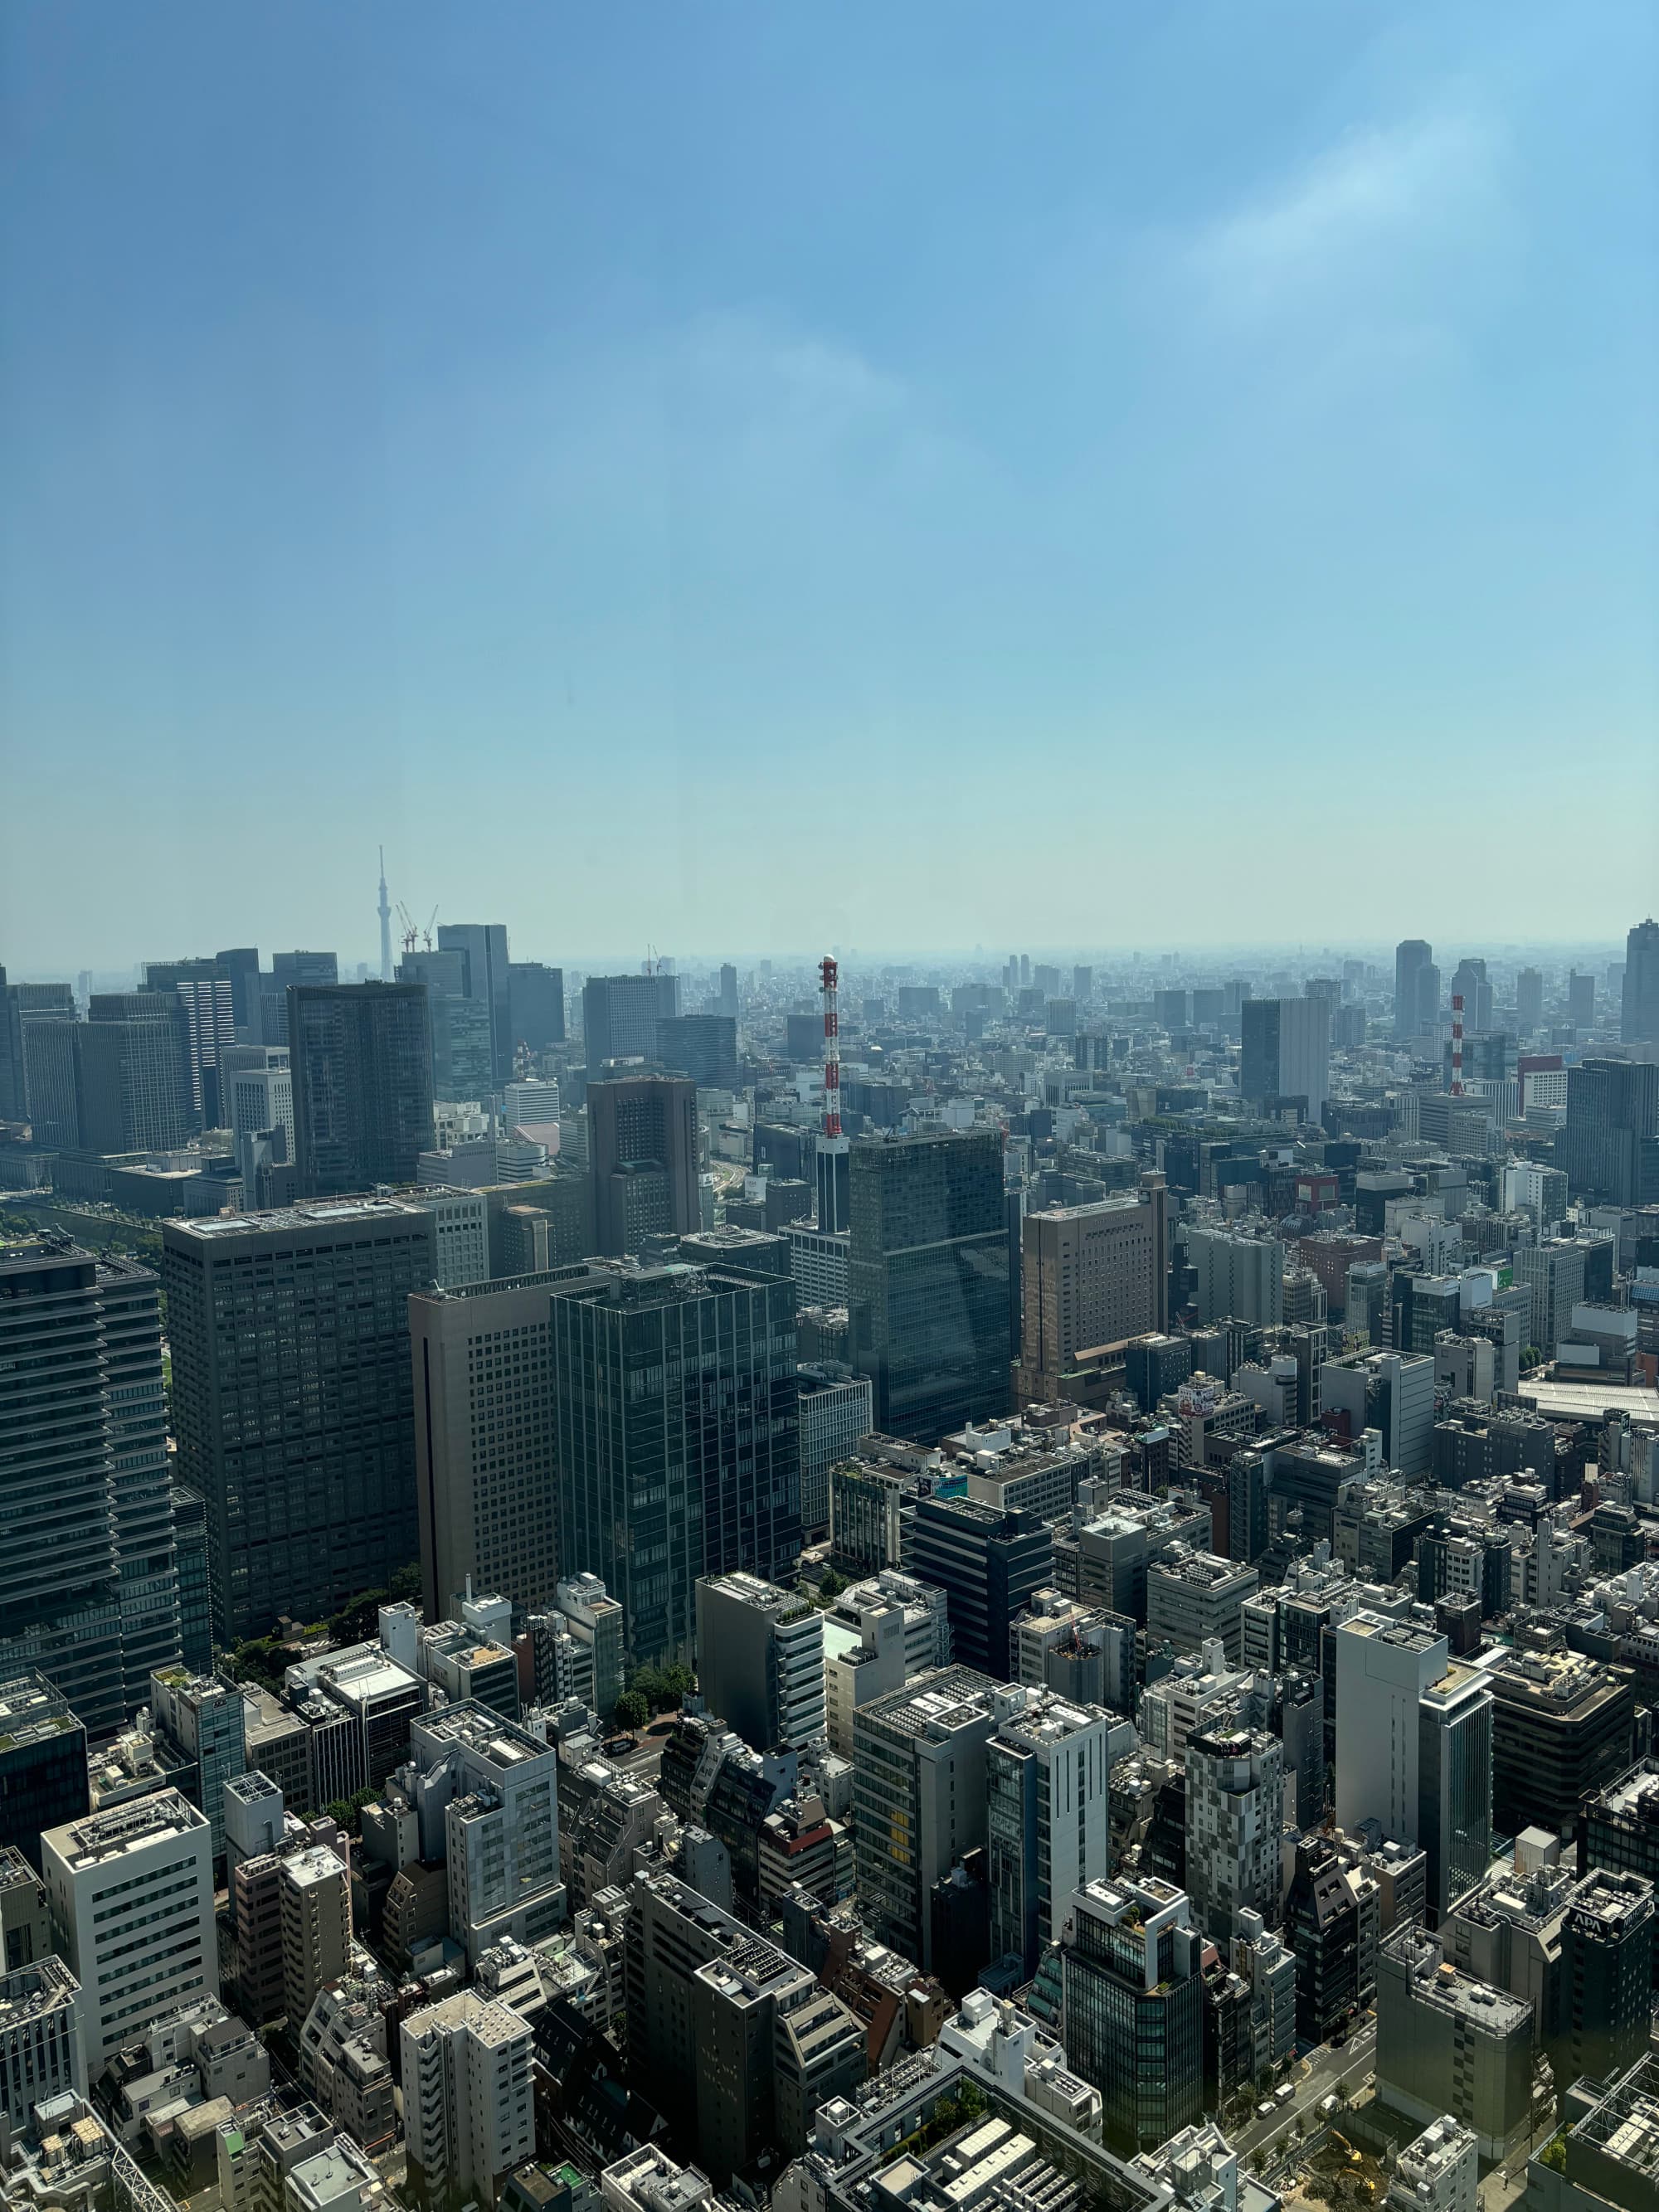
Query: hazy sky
{"points": [[734, 475]]}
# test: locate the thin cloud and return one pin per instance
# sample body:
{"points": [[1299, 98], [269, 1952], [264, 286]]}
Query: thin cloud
{"points": [[1381, 202]]}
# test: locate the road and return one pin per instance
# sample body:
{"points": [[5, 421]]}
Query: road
{"points": [[1326, 2068]]}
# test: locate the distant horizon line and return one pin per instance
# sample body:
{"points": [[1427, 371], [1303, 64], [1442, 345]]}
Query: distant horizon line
{"points": [[616, 963]]}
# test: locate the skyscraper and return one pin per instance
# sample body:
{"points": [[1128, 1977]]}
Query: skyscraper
{"points": [[642, 1158], [483, 1439], [360, 1055], [928, 1279], [88, 1590], [1239, 1278], [1093, 1275], [135, 1073], [703, 1047], [13, 1098], [1528, 1001], [1286, 1052], [1638, 1014], [1610, 1141], [291, 1400], [1413, 1748], [207, 1009], [1410, 958], [535, 995], [52, 1075], [1130, 1967], [620, 1015], [489, 981], [1470, 984], [678, 1449], [463, 1047]]}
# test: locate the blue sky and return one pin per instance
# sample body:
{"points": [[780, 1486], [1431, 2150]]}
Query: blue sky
{"points": [[747, 476]]}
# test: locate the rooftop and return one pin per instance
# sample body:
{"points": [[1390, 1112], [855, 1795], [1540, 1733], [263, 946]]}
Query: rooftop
{"points": [[499, 1743], [944, 1698], [305, 1214], [127, 1827]]}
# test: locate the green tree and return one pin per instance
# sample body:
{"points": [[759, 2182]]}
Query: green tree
{"points": [[348, 1811], [359, 1618], [632, 1711], [406, 1584]]}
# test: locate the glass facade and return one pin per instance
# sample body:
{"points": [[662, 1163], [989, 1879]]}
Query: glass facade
{"points": [[361, 1057], [678, 1446], [927, 1280]]}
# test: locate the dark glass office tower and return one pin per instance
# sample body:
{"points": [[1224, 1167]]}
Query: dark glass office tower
{"points": [[620, 1014], [88, 1591], [927, 1280], [463, 1048], [292, 1402], [360, 1055], [677, 1443], [42, 1764], [1611, 1142], [52, 1071], [12, 1105], [489, 981], [703, 1047], [535, 996], [642, 1158]]}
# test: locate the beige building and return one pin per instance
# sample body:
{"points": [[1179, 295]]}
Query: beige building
{"points": [[1094, 1276], [483, 1439]]}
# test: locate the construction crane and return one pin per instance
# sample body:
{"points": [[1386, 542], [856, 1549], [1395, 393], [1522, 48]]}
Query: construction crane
{"points": [[413, 933]]}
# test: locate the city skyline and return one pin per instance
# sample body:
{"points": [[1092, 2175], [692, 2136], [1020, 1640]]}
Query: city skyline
{"points": [[1152, 442]]}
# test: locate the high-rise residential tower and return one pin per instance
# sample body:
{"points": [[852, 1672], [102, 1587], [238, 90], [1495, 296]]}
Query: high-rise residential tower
{"points": [[360, 1058], [88, 1586]]}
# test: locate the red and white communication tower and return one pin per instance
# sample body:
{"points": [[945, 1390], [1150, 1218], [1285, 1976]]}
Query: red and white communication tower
{"points": [[833, 1160], [1458, 1044]]}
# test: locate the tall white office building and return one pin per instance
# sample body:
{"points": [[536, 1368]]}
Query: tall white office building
{"points": [[486, 1795], [131, 1894], [1047, 1776], [1413, 1748]]}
